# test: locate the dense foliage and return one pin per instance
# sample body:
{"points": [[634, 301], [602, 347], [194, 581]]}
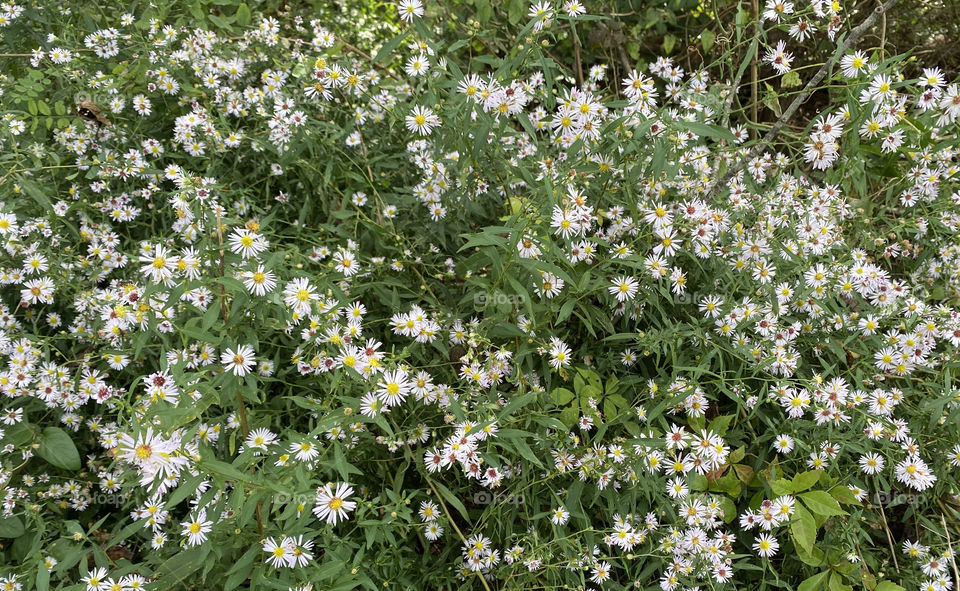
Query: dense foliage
{"points": [[475, 295]]}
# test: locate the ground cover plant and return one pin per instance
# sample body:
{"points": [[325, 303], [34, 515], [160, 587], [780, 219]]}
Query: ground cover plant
{"points": [[476, 295]]}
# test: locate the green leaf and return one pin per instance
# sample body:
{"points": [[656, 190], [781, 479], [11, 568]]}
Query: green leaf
{"points": [[243, 14], [714, 131], [225, 470], [771, 101], [729, 509], [384, 54], [525, 450], [11, 527], [790, 79], [813, 583], [836, 583], [36, 193], [177, 568], [516, 403], [452, 499], [720, 424], [19, 434], [484, 11], [844, 495], [888, 586], [781, 486], [813, 558], [822, 503], [668, 42], [342, 465], [43, 577], [515, 11], [561, 396], [805, 480], [744, 473], [57, 448], [570, 416], [804, 528], [698, 482], [241, 569], [707, 39]]}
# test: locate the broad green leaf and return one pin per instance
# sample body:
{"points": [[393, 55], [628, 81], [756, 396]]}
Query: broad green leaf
{"points": [[837, 584], [781, 486], [707, 38], [744, 472], [804, 528], [822, 503], [57, 447], [243, 14], [11, 527], [805, 480], [720, 424], [561, 396], [178, 568], [814, 583], [43, 577], [844, 495]]}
